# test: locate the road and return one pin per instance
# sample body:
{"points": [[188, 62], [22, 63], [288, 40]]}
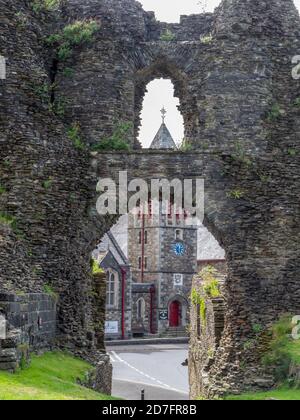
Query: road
{"points": [[155, 368]]}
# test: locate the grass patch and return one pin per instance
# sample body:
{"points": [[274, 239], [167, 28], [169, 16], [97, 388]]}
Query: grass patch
{"points": [[283, 394], [52, 376]]}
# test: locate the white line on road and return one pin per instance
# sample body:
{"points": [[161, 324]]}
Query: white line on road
{"points": [[168, 387]]}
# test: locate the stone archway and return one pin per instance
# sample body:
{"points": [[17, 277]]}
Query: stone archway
{"points": [[229, 87]]}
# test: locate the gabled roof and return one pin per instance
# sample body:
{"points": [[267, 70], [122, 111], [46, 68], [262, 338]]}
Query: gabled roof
{"points": [[110, 244], [163, 139]]}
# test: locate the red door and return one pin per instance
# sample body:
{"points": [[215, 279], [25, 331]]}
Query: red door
{"points": [[174, 314]]}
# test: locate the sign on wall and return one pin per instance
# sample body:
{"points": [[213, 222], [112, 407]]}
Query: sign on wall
{"points": [[111, 327], [178, 279], [163, 315]]}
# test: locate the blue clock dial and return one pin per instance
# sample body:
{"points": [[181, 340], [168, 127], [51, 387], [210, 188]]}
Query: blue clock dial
{"points": [[179, 249]]}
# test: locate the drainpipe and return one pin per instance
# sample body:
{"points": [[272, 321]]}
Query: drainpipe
{"points": [[143, 246], [123, 301], [152, 298]]}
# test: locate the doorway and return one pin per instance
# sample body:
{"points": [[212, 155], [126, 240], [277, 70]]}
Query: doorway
{"points": [[175, 314]]}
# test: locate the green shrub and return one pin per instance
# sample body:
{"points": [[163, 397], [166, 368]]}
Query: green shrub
{"points": [[47, 184], [75, 137], [240, 155], [49, 291], [283, 350], [206, 39], [45, 5], [203, 310], [167, 36], [96, 269], [68, 72], [43, 91], [58, 107], [2, 190], [64, 52], [236, 194], [297, 102], [80, 32], [119, 140], [185, 146], [275, 113], [292, 152], [72, 35], [211, 286], [6, 219], [22, 20]]}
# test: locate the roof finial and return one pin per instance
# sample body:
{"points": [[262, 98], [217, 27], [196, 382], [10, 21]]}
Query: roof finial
{"points": [[163, 114]]}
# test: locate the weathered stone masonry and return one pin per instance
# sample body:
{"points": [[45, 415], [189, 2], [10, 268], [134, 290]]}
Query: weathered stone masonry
{"points": [[248, 155]]}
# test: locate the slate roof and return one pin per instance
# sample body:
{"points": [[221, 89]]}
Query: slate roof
{"points": [[163, 139]]}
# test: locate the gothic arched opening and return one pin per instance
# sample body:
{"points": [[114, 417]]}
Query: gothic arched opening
{"points": [[169, 72], [160, 93]]}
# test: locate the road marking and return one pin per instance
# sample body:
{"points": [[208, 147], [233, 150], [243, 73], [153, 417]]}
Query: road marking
{"points": [[168, 387], [111, 358]]}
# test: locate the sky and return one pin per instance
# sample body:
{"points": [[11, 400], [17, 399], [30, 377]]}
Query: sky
{"points": [[161, 92]]}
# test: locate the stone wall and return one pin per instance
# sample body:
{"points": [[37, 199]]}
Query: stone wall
{"points": [[30, 326], [249, 154]]}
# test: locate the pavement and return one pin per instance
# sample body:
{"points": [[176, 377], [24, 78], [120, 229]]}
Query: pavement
{"points": [[155, 368]]}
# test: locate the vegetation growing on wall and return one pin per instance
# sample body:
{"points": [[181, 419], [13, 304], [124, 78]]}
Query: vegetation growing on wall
{"points": [[75, 136], [96, 269], [211, 285], [119, 140], [50, 292], [2, 189], [45, 5], [185, 146], [167, 36], [73, 35], [274, 113], [206, 39]]}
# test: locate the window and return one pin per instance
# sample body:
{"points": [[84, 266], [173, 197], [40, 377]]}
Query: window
{"points": [[179, 235], [146, 237], [146, 263], [111, 292], [140, 263], [141, 309]]}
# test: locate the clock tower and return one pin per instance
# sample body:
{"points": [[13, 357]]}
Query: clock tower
{"points": [[162, 250]]}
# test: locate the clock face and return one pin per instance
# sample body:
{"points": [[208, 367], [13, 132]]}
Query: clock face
{"points": [[179, 249]]}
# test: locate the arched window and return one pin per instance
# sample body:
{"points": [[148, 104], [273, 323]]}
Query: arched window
{"points": [[141, 309], [112, 290]]}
